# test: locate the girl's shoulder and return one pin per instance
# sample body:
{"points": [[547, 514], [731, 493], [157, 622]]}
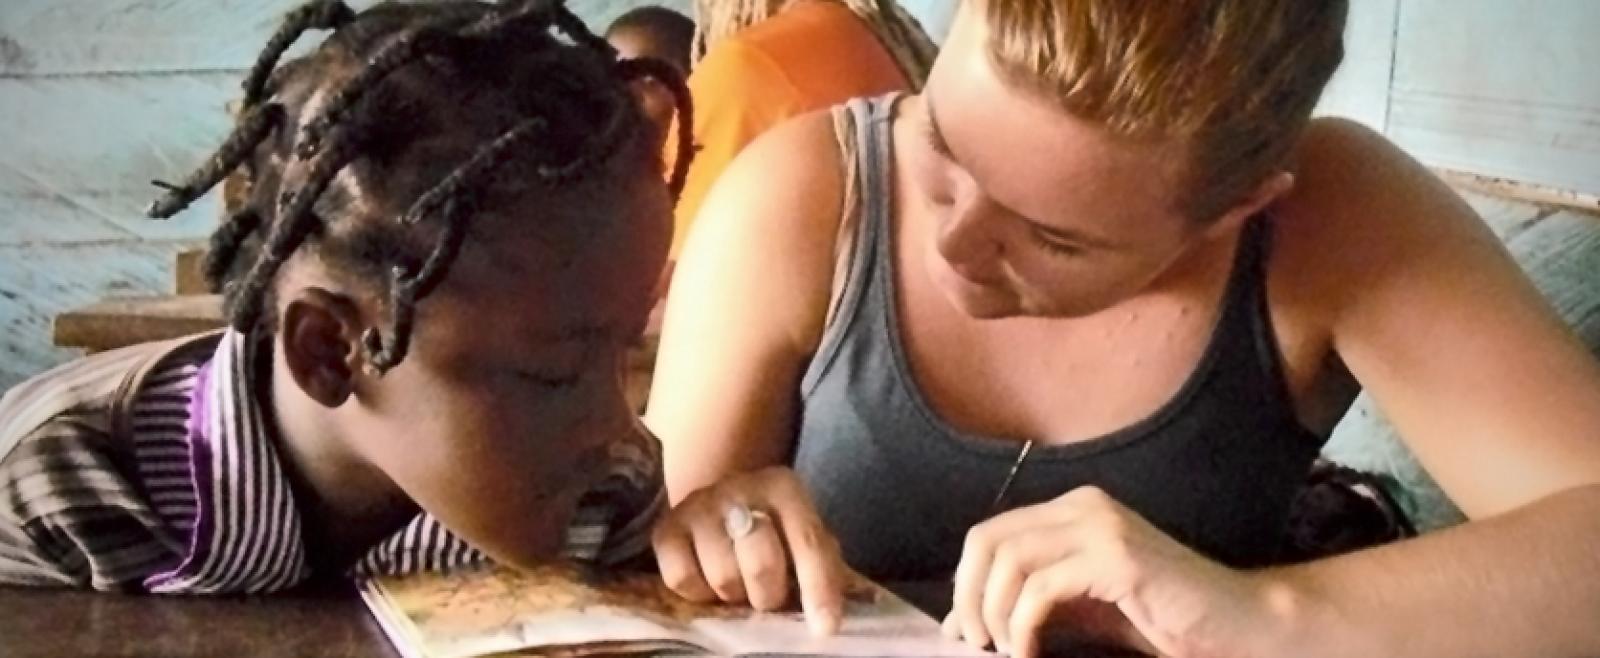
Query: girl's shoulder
{"points": [[72, 509], [100, 384]]}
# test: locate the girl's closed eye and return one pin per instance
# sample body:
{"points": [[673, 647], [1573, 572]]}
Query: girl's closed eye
{"points": [[552, 373], [551, 380]]}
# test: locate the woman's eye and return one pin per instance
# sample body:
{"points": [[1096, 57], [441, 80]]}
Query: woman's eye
{"points": [[1057, 248], [935, 142]]}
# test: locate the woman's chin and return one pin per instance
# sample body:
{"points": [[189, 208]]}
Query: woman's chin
{"points": [[979, 301], [994, 303]]}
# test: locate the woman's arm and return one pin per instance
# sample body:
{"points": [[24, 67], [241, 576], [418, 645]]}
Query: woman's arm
{"points": [[739, 93], [1488, 387], [746, 308], [744, 314]]}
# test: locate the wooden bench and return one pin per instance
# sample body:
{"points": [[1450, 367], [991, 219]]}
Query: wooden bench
{"points": [[120, 322]]}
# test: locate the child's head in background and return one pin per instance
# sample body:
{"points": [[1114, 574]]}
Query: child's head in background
{"points": [[653, 31], [453, 221], [657, 33]]}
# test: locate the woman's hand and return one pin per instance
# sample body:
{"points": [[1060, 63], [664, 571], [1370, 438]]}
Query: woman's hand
{"points": [[1104, 572], [736, 540]]}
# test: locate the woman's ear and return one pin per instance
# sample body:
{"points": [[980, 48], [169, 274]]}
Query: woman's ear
{"points": [[1272, 188], [320, 332]]}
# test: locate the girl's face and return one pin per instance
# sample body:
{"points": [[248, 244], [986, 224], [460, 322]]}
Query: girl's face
{"points": [[1037, 212], [501, 416]]}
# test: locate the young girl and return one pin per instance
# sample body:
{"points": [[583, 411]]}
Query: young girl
{"points": [[451, 226]]}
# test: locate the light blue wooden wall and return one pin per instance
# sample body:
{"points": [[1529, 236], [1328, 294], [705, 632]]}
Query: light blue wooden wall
{"points": [[1502, 89], [97, 97], [1360, 88], [934, 15]]}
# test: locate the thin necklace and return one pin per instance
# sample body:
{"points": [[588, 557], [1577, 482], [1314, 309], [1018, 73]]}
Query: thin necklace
{"points": [[1006, 486]]}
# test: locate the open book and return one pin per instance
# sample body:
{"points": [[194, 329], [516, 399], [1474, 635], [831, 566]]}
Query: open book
{"points": [[567, 611]]}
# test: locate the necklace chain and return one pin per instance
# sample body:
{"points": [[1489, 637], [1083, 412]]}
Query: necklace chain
{"points": [[1005, 487]]}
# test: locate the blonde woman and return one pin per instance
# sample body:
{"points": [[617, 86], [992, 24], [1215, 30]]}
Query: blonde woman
{"points": [[1071, 325]]}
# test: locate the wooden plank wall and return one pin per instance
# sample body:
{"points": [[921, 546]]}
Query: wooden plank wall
{"points": [[935, 15], [1360, 88], [1505, 90], [98, 97]]}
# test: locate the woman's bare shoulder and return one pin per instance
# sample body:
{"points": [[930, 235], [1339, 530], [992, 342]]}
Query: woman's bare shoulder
{"points": [[1360, 208], [769, 225], [789, 180]]}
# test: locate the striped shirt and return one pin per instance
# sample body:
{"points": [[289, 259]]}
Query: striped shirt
{"points": [[151, 469]]}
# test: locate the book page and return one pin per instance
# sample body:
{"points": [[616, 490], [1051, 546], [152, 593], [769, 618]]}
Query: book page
{"points": [[495, 610], [569, 611], [876, 623]]}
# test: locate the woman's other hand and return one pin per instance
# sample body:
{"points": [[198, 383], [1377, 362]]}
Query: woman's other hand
{"points": [[1090, 566]]}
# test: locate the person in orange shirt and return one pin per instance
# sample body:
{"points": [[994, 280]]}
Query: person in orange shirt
{"points": [[764, 61]]}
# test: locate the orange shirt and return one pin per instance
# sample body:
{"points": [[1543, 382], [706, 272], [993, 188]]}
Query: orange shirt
{"points": [[813, 55]]}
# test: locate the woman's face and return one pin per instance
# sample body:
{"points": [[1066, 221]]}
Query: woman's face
{"points": [[1037, 212], [512, 396]]}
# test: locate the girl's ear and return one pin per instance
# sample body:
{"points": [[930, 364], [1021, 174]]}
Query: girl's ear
{"points": [[320, 332]]}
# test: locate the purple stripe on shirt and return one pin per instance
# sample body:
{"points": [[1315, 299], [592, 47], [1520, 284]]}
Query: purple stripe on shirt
{"points": [[200, 478]]}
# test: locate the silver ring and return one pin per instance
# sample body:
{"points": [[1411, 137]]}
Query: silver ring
{"points": [[740, 520]]}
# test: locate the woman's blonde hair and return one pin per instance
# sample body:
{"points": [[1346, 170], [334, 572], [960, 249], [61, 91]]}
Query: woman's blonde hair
{"points": [[1235, 80]]}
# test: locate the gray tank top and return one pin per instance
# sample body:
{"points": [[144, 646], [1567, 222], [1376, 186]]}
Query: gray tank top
{"points": [[1216, 467]]}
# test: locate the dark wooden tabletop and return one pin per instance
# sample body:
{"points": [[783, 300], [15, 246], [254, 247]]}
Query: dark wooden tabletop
{"points": [[327, 622]]}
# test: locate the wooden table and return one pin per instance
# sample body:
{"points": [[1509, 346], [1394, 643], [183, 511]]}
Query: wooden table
{"points": [[330, 621]]}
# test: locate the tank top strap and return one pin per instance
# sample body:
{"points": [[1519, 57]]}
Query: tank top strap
{"points": [[1241, 301], [864, 125], [1251, 320]]}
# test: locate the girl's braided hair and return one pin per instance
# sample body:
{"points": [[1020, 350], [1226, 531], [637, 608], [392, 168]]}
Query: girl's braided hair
{"points": [[379, 147]]}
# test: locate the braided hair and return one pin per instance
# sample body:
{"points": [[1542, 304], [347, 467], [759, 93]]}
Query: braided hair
{"points": [[469, 98]]}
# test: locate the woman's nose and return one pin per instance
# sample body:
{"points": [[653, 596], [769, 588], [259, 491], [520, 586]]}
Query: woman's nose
{"points": [[966, 237]]}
